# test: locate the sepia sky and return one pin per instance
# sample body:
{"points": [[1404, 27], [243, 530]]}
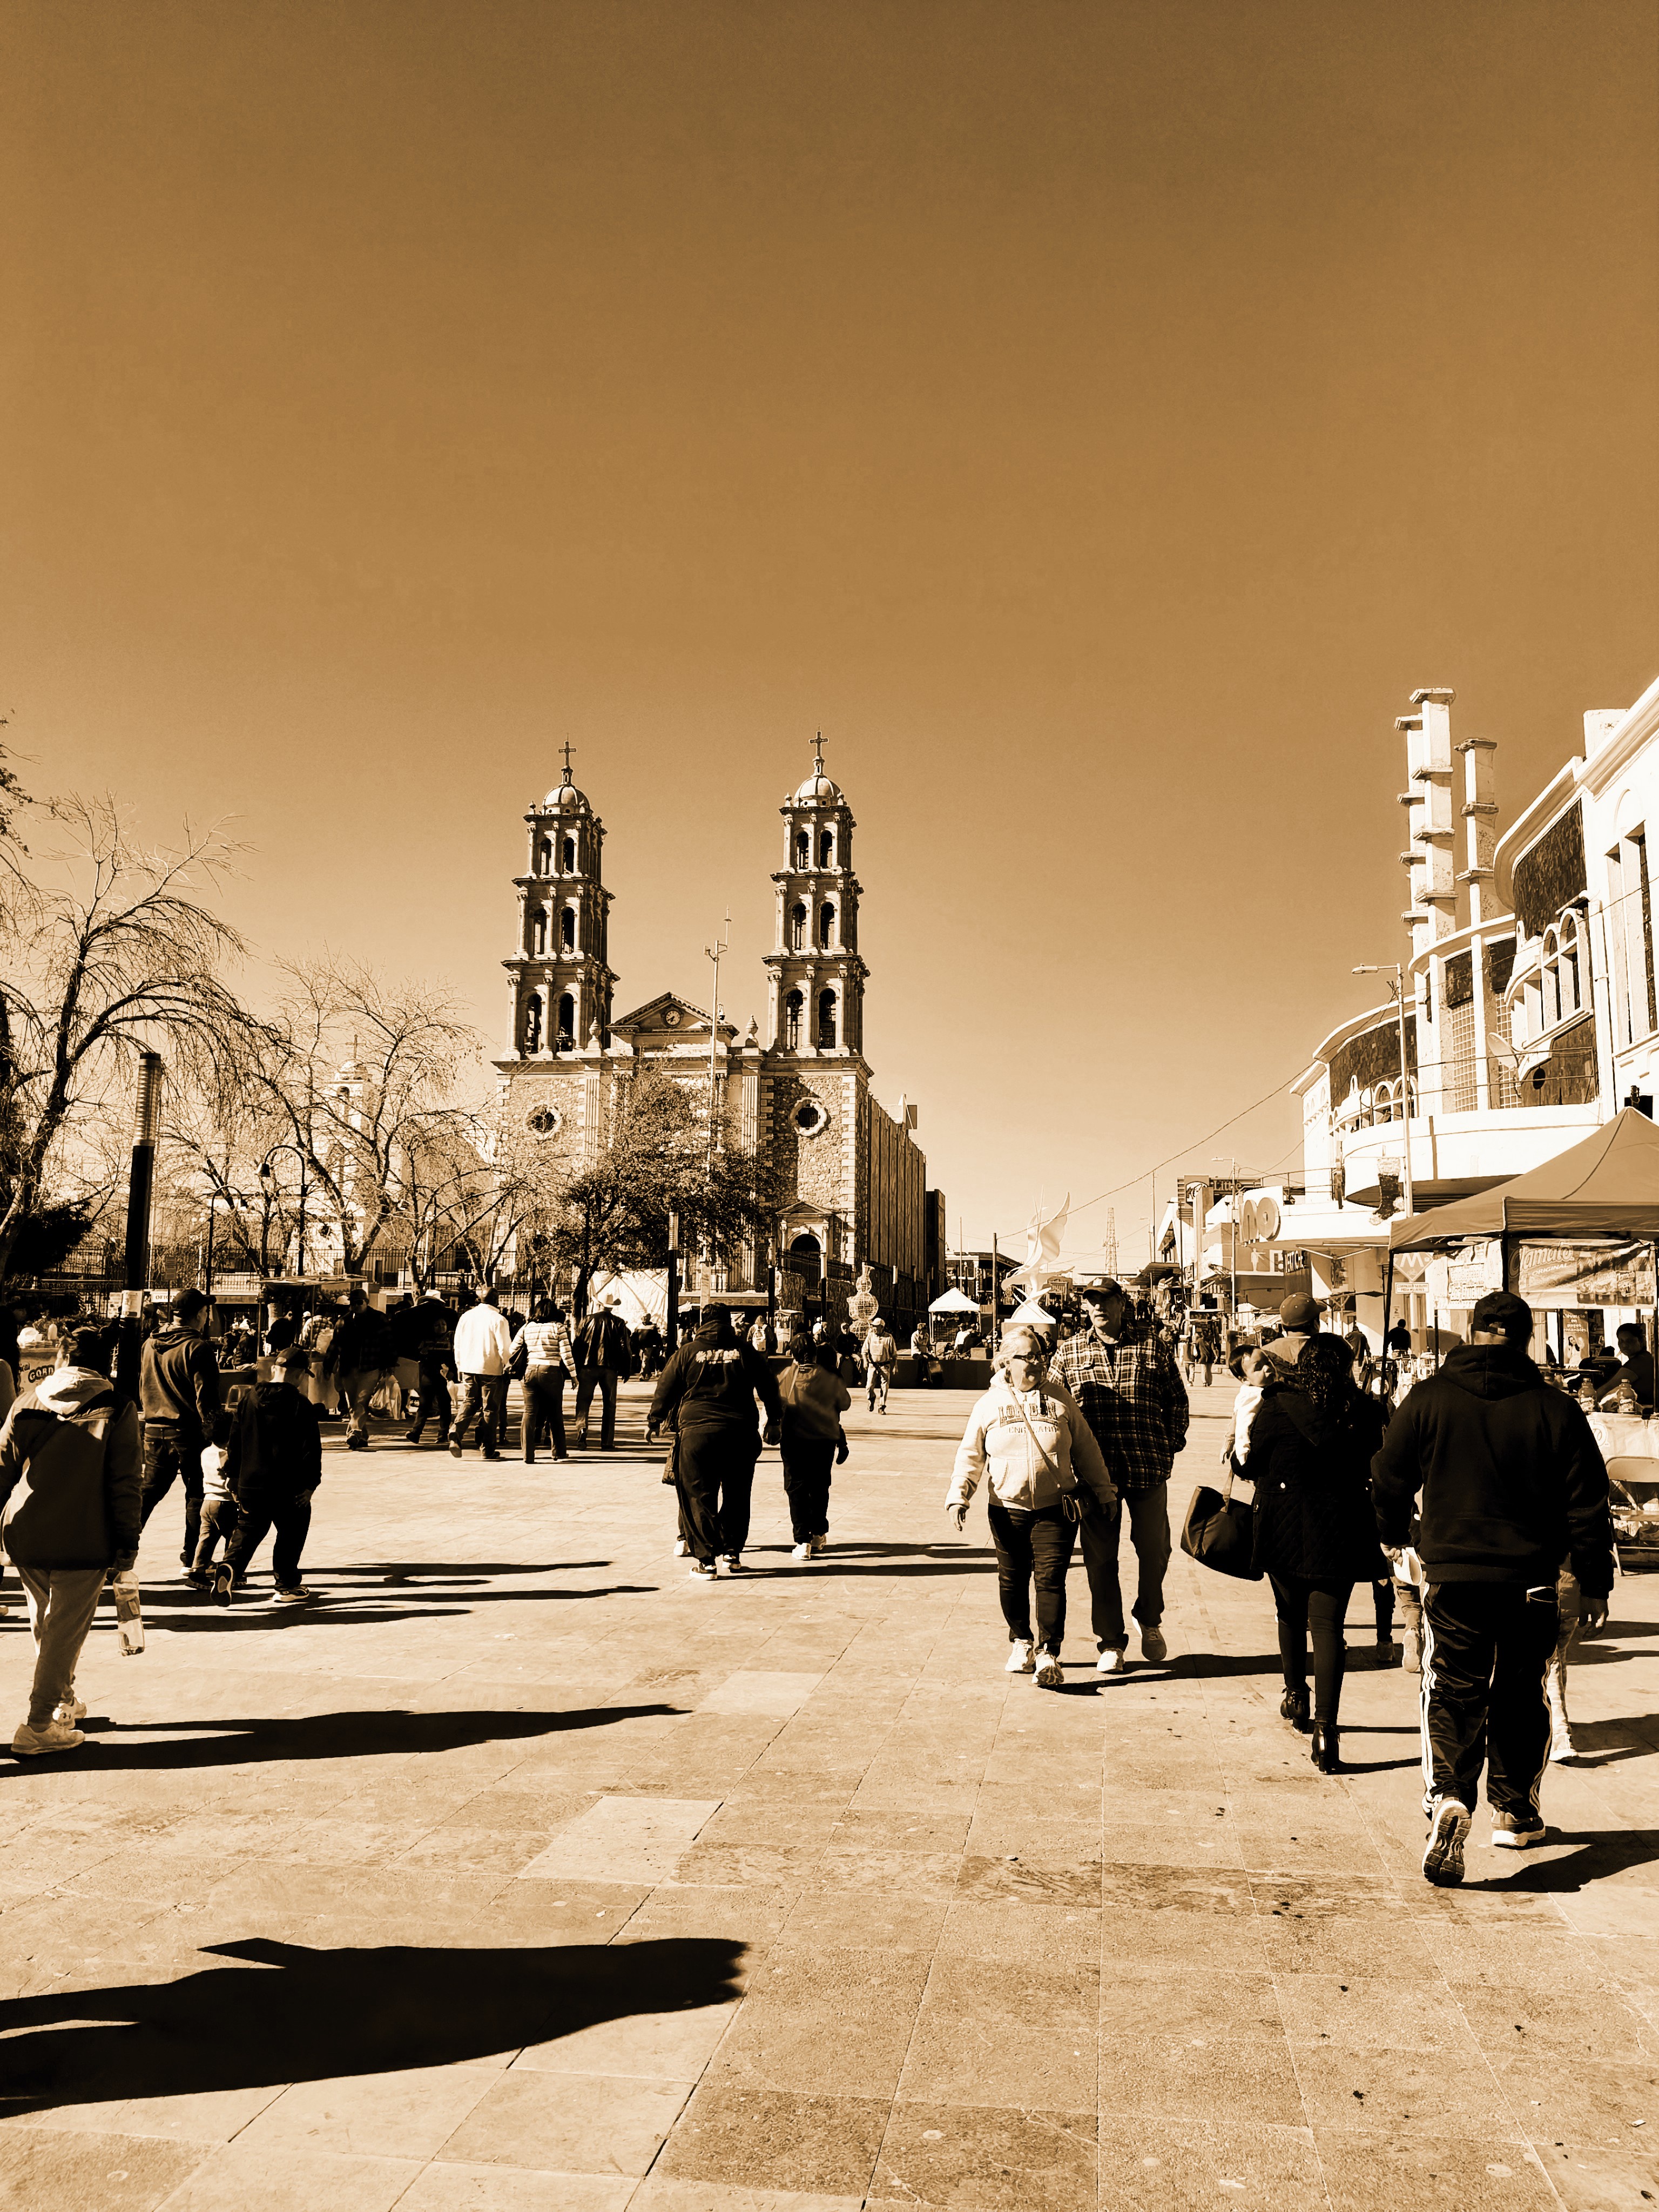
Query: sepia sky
{"points": [[1096, 418]]}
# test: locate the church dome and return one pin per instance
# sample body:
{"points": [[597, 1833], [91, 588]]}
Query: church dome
{"points": [[567, 799], [817, 786]]}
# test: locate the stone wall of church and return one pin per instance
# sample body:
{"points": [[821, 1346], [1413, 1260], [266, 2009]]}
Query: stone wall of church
{"points": [[817, 1166], [893, 1202]]}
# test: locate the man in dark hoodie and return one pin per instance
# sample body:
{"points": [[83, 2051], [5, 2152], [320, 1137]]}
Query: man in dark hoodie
{"points": [[1512, 1483], [69, 1485], [179, 1381], [274, 1465]]}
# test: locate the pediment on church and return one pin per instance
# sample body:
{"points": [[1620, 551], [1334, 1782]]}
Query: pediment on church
{"points": [[665, 1022]]}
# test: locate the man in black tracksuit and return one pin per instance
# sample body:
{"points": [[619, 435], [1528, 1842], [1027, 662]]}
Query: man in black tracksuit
{"points": [[1512, 1485]]}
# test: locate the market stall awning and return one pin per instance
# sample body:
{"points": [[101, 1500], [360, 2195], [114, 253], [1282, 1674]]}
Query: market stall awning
{"points": [[953, 1302], [1607, 1185]]}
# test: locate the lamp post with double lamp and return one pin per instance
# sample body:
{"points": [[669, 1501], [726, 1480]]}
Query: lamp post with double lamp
{"points": [[268, 1183], [1398, 973]]}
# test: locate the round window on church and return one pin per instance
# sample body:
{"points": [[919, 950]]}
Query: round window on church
{"points": [[544, 1121], [811, 1119]]}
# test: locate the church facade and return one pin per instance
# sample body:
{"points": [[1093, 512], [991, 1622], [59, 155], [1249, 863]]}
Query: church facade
{"points": [[850, 1178]]}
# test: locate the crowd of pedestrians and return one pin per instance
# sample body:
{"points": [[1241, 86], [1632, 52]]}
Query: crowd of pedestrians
{"points": [[1481, 1501]]}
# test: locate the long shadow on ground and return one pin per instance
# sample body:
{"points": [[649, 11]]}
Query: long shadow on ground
{"points": [[324, 1736], [296, 2015]]}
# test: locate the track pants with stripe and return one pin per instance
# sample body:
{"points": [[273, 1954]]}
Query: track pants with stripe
{"points": [[1485, 1646]]}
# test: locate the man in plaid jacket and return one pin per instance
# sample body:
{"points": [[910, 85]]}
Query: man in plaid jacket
{"points": [[1126, 1380]]}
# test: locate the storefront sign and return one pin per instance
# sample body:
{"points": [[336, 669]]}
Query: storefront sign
{"points": [[1473, 1273], [1567, 1275]]}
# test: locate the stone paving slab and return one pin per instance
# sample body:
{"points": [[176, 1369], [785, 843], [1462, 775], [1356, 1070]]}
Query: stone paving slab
{"points": [[518, 1872]]}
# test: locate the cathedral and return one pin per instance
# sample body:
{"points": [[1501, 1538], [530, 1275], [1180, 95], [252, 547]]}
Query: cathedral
{"points": [[849, 1177]]}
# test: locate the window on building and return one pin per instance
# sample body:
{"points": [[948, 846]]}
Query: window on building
{"points": [[827, 849], [803, 849], [567, 1022], [538, 932], [1630, 935], [797, 928], [543, 857], [570, 855], [1549, 982], [826, 925], [568, 927], [826, 1021], [794, 1008], [533, 1023]]}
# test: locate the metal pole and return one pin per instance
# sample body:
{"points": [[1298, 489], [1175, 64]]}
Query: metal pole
{"points": [[673, 1330], [996, 1300], [142, 1180], [1404, 1082], [207, 1271]]}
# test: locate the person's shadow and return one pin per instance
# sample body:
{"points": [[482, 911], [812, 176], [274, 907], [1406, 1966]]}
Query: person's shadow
{"points": [[294, 2014]]}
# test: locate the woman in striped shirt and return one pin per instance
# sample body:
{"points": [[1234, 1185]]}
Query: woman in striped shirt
{"points": [[549, 1364]]}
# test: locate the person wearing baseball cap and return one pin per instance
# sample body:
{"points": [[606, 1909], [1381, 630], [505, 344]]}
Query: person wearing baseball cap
{"points": [[1298, 1325], [1124, 1376]]}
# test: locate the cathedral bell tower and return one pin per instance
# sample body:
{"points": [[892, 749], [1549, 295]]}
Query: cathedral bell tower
{"points": [[561, 979], [815, 978]]}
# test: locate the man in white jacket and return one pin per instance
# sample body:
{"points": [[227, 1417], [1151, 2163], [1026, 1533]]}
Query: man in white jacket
{"points": [[1027, 1434], [482, 1340]]}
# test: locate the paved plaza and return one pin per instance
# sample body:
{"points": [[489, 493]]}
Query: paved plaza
{"points": [[518, 1872]]}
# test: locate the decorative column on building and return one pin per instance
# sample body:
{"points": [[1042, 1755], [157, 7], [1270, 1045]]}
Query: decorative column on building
{"points": [[1480, 820], [1432, 915], [815, 977], [560, 977]]}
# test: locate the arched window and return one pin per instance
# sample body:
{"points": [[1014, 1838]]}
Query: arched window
{"points": [[826, 1021], [1571, 983], [803, 849], [794, 1008], [1550, 978], [797, 928], [568, 927], [567, 1022], [538, 932], [533, 1023], [826, 924], [543, 857], [827, 849], [570, 855]]}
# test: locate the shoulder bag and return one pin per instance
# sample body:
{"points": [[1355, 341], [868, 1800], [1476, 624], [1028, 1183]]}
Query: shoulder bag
{"points": [[1220, 1532]]}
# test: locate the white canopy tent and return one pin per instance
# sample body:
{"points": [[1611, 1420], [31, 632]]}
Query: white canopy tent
{"points": [[953, 1302]]}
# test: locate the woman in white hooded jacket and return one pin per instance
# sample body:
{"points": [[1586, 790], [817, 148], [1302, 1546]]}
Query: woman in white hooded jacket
{"points": [[1028, 1437]]}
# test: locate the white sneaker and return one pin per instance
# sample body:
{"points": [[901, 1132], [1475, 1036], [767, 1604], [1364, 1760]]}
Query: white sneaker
{"points": [[702, 1570], [297, 1596], [1022, 1659], [1510, 1833], [68, 1710], [1153, 1646], [1442, 1854], [1049, 1674], [1110, 1661], [682, 1549], [731, 1564], [57, 1735], [802, 1552]]}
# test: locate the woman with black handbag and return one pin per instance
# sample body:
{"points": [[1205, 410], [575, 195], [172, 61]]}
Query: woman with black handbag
{"points": [[540, 1354], [1312, 1443]]}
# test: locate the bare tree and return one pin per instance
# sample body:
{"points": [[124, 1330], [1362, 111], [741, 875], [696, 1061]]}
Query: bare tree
{"points": [[108, 948], [358, 1076]]}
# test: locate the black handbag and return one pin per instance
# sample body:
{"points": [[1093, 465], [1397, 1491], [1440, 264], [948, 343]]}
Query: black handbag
{"points": [[1220, 1532]]}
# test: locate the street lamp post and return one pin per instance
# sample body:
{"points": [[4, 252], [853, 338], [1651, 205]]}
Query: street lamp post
{"points": [[1232, 1159], [1372, 969], [267, 1176]]}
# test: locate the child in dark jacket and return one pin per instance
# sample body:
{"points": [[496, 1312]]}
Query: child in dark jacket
{"points": [[274, 1466], [814, 1398]]}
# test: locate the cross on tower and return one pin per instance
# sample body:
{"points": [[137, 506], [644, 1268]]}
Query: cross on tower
{"points": [[566, 760], [818, 754]]}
